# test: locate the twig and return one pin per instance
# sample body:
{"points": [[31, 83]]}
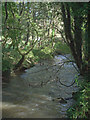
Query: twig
{"points": [[72, 63], [66, 85], [46, 68]]}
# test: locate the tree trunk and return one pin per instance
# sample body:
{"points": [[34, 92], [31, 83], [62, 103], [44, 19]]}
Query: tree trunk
{"points": [[18, 65], [6, 12], [76, 42]]}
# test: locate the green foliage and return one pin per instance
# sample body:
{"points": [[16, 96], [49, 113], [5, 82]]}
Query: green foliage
{"points": [[6, 65], [37, 55], [42, 54], [31, 25], [27, 27], [81, 109], [11, 55], [6, 62], [61, 48]]}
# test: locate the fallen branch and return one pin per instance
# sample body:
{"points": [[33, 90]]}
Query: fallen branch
{"points": [[66, 85], [46, 68], [57, 79], [72, 63]]}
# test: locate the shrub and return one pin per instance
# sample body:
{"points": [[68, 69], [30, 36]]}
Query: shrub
{"points": [[81, 109]]}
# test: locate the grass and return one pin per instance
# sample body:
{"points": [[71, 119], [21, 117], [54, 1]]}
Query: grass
{"points": [[61, 48]]}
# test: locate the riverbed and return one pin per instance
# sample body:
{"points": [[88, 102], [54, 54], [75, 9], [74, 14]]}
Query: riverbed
{"points": [[30, 94]]}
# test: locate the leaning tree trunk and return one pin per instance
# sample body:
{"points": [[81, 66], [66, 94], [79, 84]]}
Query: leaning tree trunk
{"points": [[18, 65], [75, 42], [78, 42]]}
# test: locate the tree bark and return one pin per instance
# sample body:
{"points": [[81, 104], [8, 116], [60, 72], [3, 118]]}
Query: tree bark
{"points": [[6, 12], [18, 65], [76, 42]]}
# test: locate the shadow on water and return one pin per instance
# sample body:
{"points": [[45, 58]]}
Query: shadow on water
{"points": [[23, 101]]}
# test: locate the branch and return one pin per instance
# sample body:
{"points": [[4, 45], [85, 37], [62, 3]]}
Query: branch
{"points": [[48, 81], [31, 48], [12, 11], [27, 34], [72, 63], [66, 85], [61, 34], [46, 68], [13, 28], [6, 12], [21, 10]]}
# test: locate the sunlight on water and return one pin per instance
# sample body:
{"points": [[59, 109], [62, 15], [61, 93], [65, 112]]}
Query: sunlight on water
{"points": [[20, 100]]}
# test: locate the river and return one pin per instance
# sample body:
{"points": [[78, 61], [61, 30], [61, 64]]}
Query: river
{"points": [[30, 94]]}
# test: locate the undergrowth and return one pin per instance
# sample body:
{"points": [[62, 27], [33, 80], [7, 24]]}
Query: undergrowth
{"points": [[81, 108]]}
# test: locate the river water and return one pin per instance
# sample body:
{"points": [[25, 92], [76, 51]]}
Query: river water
{"points": [[30, 94]]}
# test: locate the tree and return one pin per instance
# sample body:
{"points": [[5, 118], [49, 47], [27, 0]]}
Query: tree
{"points": [[75, 22], [24, 25]]}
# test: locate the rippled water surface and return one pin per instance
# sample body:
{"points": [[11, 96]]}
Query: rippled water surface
{"points": [[30, 94]]}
